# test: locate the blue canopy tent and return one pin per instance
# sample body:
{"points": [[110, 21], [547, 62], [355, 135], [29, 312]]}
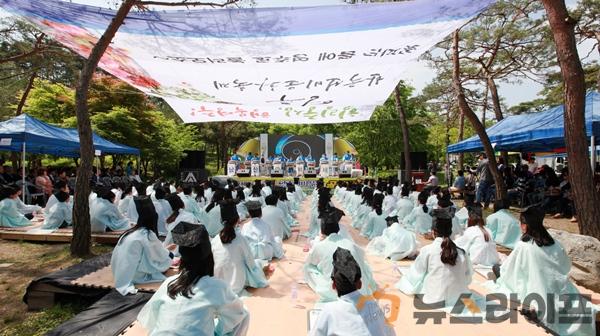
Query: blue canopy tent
{"points": [[27, 134], [534, 132]]}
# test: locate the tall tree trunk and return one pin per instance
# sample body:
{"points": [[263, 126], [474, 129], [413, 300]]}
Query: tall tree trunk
{"points": [[26, 93], [497, 109], [404, 129], [80, 245], [461, 135], [465, 109], [586, 198]]}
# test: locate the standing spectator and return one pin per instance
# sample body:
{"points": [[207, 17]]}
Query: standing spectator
{"points": [[43, 182], [129, 169], [486, 181], [470, 186]]}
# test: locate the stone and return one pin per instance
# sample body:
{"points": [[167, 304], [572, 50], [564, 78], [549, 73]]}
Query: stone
{"points": [[584, 252]]}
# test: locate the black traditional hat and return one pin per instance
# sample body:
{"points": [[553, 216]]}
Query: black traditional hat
{"points": [[191, 235], [346, 270]]}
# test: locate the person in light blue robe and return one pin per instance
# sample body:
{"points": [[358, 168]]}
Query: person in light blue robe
{"points": [[10, 216], [505, 228], [263, 243], [163, 209], [126, 205], [194, 302], [60, 186], [359, 219], [284, 204], [375, 221], [178, 215], [214, 222], [323, 198], [419, 219], [139, 257], [60, 214], [234, 261], [192, 206], [275, 217], [540, 266], [396, 243], [404, 206], [319, 263], [105, 215]]}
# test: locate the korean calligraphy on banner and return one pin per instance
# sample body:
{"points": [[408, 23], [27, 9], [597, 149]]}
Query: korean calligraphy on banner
{"points": [[328, 64]]}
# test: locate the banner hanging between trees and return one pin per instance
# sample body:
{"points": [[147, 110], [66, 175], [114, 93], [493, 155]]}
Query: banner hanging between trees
{"points": [[299, 65]]}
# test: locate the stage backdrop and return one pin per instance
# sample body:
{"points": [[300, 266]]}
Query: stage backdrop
{"points": [[291, 146], [325, 64]]}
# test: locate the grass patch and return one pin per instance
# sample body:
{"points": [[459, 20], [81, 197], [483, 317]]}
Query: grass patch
{"points": [[39, 323]]}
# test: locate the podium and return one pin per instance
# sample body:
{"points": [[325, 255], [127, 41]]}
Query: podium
{"points": [[289, 168], [255, 168], [277, 169], [324, 168], [311, 169], [231, 167], [345, 169], [334, 169], [243, 170]]}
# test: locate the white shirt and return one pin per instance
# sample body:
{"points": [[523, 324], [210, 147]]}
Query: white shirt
{"points": [[275, 217], [343, 317], [438, 282], [480, 251]]}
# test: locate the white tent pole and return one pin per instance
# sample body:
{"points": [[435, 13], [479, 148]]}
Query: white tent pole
{"points": [[23, 171], [593, 157]]}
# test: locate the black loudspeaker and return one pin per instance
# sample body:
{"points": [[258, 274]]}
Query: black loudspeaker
{"points": [[345, 176], [418, 160], [193, 160], [243, 174], [310, 175], [276, 175]]}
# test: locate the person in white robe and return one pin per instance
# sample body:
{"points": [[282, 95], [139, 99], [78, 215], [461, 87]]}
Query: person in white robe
{"points": [[214, 222], [446, 206], [359, 219], [10, 216], [396, 243], [419, 219], [125, 204], [319, 262], [375, 221], [441, 272], [234, 261], [266, 190], [192, 206], [404, 206], [477, 239], [275, 217], [106, 216], [194, 302], [59, 186], [505, 227], [263, 243], [540, 266], [352, 313], [389, 202], [139, 257], [163, 209], [60, 214], [298, 189]]}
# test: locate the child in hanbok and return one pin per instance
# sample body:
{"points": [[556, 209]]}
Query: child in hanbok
{"points": [[442, 271], [477, 239], [139, 256], [60, 214], [234, 261], [194, 302]]}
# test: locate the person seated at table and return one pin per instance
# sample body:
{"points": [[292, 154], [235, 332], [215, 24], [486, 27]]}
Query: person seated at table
{"points": [[263, 243], [275, 217], [194, 302], [504, 227], [10, 216], [234, 261], [539, 265], [60, 214], [442, 270], [458, 187], [477, 239], [343, 316], [105, 215], [395, 243], [139, 256], [375, 221], [419, 219], [318, 265]]}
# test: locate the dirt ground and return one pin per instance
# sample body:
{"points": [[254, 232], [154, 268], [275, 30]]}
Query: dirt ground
{"points": [[20, 262]]}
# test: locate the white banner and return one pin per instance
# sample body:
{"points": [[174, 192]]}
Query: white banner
{"points": [[326, 64]]}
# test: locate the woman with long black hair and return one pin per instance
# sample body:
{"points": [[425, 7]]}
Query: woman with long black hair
{"points": [[375, 222], [477, 239], [441, 272], [419, 219], [540, 266], [234, 261], [139, 256], [194, 302]]}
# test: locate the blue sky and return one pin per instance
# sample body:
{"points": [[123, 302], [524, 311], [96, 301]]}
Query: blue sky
{"points": [[420, 74]]}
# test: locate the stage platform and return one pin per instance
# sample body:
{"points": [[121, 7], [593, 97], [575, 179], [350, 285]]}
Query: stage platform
{"points": [[283, 307], [304, 182]]}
